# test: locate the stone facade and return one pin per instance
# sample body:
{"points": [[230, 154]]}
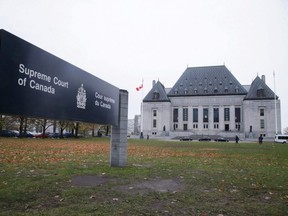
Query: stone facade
{"points": [[221, 107]]}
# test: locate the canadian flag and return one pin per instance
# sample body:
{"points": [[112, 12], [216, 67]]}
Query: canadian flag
{"points": [[139, 87]]}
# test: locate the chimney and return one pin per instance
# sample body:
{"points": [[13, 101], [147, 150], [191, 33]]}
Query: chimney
{"points": [[263, 78], [153, 83]]}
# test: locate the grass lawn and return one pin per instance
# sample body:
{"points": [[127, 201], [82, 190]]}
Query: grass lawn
{"points": [[73, 177]]}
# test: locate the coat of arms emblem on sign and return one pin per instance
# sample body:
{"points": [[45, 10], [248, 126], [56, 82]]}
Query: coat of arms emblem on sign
{"points": [[81, 98]]}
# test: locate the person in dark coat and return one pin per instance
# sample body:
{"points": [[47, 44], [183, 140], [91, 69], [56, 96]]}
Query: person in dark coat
{"points": [[260, 139], [237, 139]]}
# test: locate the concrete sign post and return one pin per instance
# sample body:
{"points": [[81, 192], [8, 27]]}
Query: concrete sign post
{"points": [[118, 148], [35, 83]]}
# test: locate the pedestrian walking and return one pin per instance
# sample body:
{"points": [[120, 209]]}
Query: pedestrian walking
{"points": [[237, 139], [260, 139]]}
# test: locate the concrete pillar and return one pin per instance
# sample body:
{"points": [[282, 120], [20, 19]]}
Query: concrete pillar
{"points": [[118, 145]]}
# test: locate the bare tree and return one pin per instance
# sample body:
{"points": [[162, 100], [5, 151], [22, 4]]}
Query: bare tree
{"points": [[76, 129], [2, 119], [63, 125], [45, 124]]}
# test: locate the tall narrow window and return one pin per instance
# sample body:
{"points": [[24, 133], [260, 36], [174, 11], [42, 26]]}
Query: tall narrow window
{"points": [[185, 114], [261, 112], [205, 115], [154, 113], [195, 115], [216, 114], [175, 115], [237, 115], [154, 123], [262, 124], [226, 114]]}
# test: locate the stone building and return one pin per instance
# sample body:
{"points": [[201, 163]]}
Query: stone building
{"points": [[211, 101]]}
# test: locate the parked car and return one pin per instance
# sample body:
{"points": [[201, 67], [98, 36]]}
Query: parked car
{"points": [[7, 133], [205, 139], [53, 135], [40, 135], [27, 135], [186, 138], [279, 138], [68, 135], [221, 139]]}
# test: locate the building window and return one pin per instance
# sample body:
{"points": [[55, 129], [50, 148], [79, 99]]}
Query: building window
{"points": [[216, 114], [195, 115], [237, 126], [154, 113], [226, 127], [195, 126], [216, 126], [185, 91], [175, 115], [205, 90], [156, 95], [237, 118], [206, 126], [175, 126], [205, 115], [226, 114], [261, 112], [260, 92], [237, 115], [185, 114], [154, 123], [262, 124], [185, 127]]}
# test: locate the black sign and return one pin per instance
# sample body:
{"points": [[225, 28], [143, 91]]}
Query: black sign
{"points": [[36, 83]]}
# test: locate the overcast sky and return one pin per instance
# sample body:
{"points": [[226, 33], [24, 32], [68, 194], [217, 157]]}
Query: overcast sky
{"points": [[123, 41]]}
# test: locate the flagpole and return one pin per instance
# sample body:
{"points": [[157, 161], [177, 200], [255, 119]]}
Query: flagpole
{"points": [[276, 122], [141, 127]]}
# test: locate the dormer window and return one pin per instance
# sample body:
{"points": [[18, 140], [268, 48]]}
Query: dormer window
{"points": [[215, 90], [226, 89], [200, 83], [205, 90], [156, 95], [185, 91], [176, 91], [210, 83], [220, 83], [195, 90], [260, 92], [236, 89], [181, 84]]}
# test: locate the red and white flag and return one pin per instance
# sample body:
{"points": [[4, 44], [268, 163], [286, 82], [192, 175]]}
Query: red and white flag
{"points": [[140, 87]]}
